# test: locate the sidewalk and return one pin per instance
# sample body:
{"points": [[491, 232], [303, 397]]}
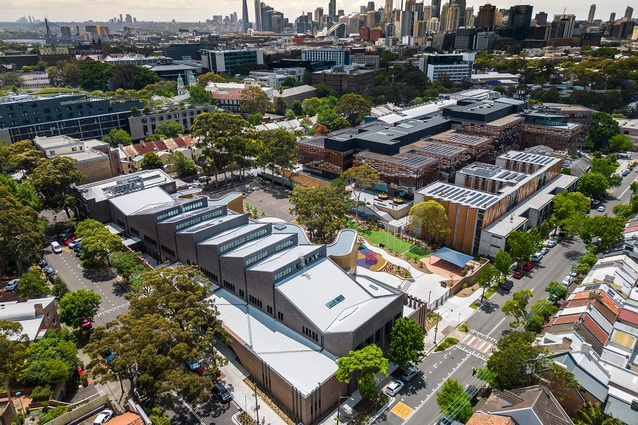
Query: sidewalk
{"points": [[454, 311], [243, 396]]}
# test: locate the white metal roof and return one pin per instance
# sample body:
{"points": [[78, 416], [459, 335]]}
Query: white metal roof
{"points": [[136, 201]]}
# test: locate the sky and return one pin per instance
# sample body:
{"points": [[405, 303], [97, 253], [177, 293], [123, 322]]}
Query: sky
{"points": [[200, 10]]}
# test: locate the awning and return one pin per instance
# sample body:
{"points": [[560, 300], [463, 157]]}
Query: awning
{"points": [[454, 257]]}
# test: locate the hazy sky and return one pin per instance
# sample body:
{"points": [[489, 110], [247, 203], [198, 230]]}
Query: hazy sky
{"points": [[200, 10]]}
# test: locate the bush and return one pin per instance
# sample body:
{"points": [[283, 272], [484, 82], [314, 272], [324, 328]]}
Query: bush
{"points": [[463, 327], [447, 343], [52, 414], [41, 393], [59, 287]]}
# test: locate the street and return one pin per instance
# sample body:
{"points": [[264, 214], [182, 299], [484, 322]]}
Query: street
{"points": [[416, 404]]}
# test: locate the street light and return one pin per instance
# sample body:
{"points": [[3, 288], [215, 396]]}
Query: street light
{"points": [[339, 406], [246, 402]]}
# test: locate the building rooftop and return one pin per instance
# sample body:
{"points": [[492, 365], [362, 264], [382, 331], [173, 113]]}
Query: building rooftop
{"points": [[416, 112], [25, 314], [462, 195], [132, 203], [127, 183], [529, 406]]}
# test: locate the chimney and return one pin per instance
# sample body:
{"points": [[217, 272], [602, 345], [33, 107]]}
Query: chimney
{"points": [[585, 348]]}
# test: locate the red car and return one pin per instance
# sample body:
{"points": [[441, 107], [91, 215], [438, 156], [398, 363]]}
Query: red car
{"points": [[69, 239], [527, 267], [86, 324], [518, 274]]}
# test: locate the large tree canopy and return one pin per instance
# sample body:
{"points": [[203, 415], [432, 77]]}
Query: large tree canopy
{"points": [[406, 343], [514, 358], [353, 107], [323, 210], [603, 127], [53, 179], [362, 365], [431, 219]]}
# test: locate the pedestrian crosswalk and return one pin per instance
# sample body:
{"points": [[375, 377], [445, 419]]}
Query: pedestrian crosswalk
{"points": [[477, 344]]}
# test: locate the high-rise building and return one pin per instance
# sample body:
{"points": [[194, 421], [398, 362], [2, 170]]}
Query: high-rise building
{"points": [[258, 16], [443, 17], [65, 32], [436, 9], [427, 13], [244, 16], [370, 6], [410, 5], [387, 10], [629, 13], [519, 20], [332, 8], [592, 12], [486, 16], [433, 25], [562, 26], [612, 17], [453, 17], [469, 17], [406, 23], [462, 7], [541, 18], [318, 14]]}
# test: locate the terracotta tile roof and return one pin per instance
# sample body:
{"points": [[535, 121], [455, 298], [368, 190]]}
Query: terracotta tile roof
{"points": [[128, 418], [608, 301], [171, 144], [189, 140], [628, 316], [161, 146], [572, 318], [129, 151], [233, 95], [145, 147], [484, 419], [577, 302], [594, 329]]}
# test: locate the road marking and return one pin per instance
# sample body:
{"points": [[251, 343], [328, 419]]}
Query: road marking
{"points": [[402, 410]]}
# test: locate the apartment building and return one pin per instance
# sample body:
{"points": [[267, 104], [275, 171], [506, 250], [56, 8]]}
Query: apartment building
{"points": [[458, 67]]}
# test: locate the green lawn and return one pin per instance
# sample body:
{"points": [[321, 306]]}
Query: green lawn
{"points": [[393, 243]]}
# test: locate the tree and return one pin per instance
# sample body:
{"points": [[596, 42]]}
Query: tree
{"points": [[603, 127], [118, 137], [540, 312], [332, 120], [361, 177], [523, 244], [128, 265], [430, 219], [32, 285], [323, 211], [182, 165], [53, 179], [297, 108], [620, 143], [76, 305], [515, 356], [290, 81], [353, 107], [98, 245], [12, 348], [517, 306], [169, 128], [406, 343], [10, 79], [255, 119], [210, 77], [253, 100], [199, 95], [171, 320], [224, 140], [503, 262], [21, 232], [557, 290], [592, 414], [569, 209], [151, 161], [562, 381], [20, 156], [95, 75], [607, 167], [593, 185], [23, 192], [362, 365], [52, 359], [608, 229], [454, 401], [323, 90], [277, 150], [487, 277]]}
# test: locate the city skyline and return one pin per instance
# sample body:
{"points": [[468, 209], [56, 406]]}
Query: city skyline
{"points": [[200, 10]]}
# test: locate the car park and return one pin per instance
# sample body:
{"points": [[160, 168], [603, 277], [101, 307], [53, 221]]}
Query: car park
{"points": [[55, 247], [221, 393], [551, 243], [13, 284], [409, 374], [507, 285], [518, 274], [528, 267], [393, 388], [103, 417]]}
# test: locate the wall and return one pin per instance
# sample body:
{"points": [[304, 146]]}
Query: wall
{"points": [[95, 169]]}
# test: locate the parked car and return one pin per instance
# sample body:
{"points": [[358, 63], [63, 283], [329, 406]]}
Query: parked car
{"points": [[56, 247], [567, 280], [75, 243], [221, 393], [79, 252], [601, 208], [551, 243], [545, 250], [43, 263], [69, 239], [108, 355], [103, 417], [528, 267], [595, 203], [86, 324], [537, 256], [394, 388], [505, 332], [194, 366], [13, 284], [48, 271], [626, 173], [518, 274], [507, 285], [409, 374]]}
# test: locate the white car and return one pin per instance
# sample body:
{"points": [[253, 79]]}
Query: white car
{"points": [[75, 243], [567, 280], [394, 388], [545, 250], [601, 208], [55, 247], [103, 417], [551, 243], [13, 284], [537, 257]]}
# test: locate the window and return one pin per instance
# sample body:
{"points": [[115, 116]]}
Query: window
{"points": [[280, 316], [255, 301], [309, 333], [269, 309], [241, 293], [229, 286]]}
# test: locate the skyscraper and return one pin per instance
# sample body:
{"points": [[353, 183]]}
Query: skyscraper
{"points": [[462, 6], [258, 26], [592, 12], [612, 17], [453, 17], [486, 16], [469, 17], [443, 16], [332, 8], [519, 20], [629, 13], [387, 10], [436, 8], [244, 16], [562, 26], [370, 6], [318, 14]]}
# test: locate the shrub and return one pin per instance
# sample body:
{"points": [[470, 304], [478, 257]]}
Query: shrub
{"points": [[447, 343], [52, 414], [59, 287], [41, 393], [463, 327]]}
